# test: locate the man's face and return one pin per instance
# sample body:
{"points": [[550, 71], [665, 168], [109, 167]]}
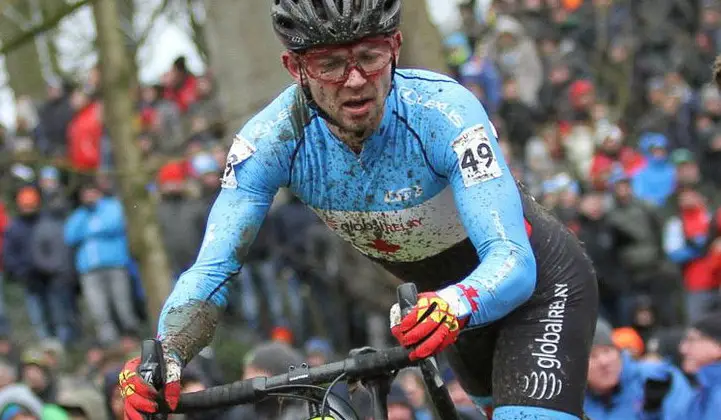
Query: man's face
{"points": [[698, 351], [54, 92], [210, 180], [149, 94], [90, 195], [611, 145], [78, 99], [690, 199], [619, 53], [172, 188], [623, 190], [316, 359], [414, 390], [35, 378], [399, 412], [49, 184], [352, 95], [656, 96], [592, 206], [659, 153], [712, 106], [510, 90], [604, 369]]}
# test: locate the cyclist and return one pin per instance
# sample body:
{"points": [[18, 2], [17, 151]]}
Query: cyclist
{"points": [[405, 165]]}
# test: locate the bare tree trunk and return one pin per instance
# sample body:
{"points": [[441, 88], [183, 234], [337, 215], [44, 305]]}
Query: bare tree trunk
{"points": [[422, 44], [23, 65], [244, 56], [139, 206]]}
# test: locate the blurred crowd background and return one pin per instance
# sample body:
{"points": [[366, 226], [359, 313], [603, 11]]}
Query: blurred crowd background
{"points": [[605, 111]]}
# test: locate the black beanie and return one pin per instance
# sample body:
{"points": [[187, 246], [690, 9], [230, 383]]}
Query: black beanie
{"points": [[710, 326], [274, 357], [604, 333]]}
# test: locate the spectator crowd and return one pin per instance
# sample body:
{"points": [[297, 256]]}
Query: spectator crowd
{"points": [[606, 111]]}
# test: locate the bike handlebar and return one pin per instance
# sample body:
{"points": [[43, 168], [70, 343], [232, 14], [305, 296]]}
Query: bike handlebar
{"points": [[253, 390], [363, 364]]}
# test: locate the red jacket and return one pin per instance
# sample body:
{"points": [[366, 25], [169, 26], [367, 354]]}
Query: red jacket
{"points": [[85, 132], [714, 254], [700, 274], [185, 94], [602, 164]]}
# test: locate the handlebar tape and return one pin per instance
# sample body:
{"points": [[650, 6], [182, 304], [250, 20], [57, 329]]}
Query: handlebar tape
{"points": [[236, 393]]}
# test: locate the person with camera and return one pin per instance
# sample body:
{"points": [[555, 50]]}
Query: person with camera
{"points": [[620, 387]]}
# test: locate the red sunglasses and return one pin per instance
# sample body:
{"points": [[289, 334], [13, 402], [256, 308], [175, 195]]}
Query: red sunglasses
{"points": [[334, 64]]}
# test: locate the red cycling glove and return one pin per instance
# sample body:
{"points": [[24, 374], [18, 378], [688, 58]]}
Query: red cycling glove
{"points": [[430, 326], [141, 397]]}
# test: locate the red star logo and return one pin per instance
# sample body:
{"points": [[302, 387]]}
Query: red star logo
{"points": [[529, 228], [384, 246], [470, 293], [331, 223]]}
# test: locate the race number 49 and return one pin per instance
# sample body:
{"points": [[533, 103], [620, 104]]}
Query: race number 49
{"points": [[476, 158]]}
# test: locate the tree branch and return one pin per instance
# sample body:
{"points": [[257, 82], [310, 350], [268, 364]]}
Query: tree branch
{"points": [[197, 29], [45, 26], [151, 23]]}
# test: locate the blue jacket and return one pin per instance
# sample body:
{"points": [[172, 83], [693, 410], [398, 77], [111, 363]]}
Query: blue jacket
{"points": [[16, 249], [98, 235], [627, 402], [706, 401], [657, 180], [485, 74]]}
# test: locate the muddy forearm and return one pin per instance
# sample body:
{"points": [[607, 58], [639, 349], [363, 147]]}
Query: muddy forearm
{"points": [[187, 329]]}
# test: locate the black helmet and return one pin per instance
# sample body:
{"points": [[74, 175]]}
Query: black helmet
{"points": [[301, 24]]}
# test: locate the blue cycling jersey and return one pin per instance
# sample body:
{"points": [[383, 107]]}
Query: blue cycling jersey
{"points": [[431, 177]]}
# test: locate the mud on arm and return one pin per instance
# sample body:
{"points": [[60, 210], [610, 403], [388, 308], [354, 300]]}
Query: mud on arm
{"points": [[191, 313]]}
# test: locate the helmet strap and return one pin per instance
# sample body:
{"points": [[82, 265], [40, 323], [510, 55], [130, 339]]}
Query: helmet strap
{"points": [[312, 104]]}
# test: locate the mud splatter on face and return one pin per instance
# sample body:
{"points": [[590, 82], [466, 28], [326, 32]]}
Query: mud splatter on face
{"points": [[332, 97]]}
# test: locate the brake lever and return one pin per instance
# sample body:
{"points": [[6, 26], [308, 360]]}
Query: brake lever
{"points": [[407, 298], [407, 295], [152, 370]]}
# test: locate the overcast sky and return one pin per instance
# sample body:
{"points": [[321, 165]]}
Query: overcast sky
{"points": [[170, 40]]}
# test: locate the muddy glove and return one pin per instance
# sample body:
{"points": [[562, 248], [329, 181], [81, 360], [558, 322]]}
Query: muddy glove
{"points": [[429, 327], [143, 398]]}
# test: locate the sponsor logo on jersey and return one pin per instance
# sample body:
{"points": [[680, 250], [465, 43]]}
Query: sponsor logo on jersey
{"points": [[403, 194], [266, 128], [379, 225], [409, 234], [546, 352], [546, 383], [542, 385], [412, 97]]}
